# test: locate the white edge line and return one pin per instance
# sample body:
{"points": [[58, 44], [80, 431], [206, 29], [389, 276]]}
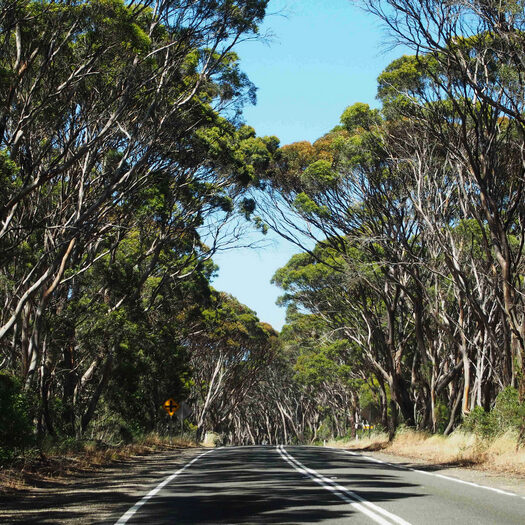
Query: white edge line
{"points": [[347, 495], [450, 478], [125, 517], [499, 491]]}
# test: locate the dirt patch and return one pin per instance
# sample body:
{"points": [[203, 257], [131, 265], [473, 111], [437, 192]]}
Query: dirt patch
{"points": [[37, 469], [97, 495]]}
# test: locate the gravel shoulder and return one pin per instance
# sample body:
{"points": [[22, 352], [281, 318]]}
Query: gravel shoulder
{"points": [[99, 496], [508, 482]]}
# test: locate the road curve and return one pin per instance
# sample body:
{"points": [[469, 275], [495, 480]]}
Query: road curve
{"points": [[315, 485]]}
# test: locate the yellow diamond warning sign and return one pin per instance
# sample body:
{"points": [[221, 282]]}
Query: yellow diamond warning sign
{"points": [[171, 406]]}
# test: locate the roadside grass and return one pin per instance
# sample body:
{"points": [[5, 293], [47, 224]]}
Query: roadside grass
{"points": [[56, 461], [504, 455], [376, 441], [499, 454], [459, 448]]}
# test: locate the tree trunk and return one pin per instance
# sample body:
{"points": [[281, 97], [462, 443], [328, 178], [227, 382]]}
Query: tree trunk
{"points": [[392, 424], [90, 412], [452, 417], [401, 396]]}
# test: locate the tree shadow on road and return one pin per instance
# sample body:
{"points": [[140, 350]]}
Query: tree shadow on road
{"points": [[228, 486], [265, 489]]}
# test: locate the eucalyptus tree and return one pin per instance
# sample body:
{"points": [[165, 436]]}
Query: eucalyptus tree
{"points": [[101, 96], [227, 354], [408, 273], [358, 318], [112, 145], [343, 192], [464, 300], [277, 409], [466, 91]]}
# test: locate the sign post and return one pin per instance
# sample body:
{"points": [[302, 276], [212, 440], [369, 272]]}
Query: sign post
{"points": [[170, 406], [183, 412]]}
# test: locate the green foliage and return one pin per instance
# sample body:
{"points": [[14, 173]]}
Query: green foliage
{"points": [[442, 416], [315, 368], [368, 402], [235, 150], [307, 206], [305, 271], [507, 414], [401, 78], [8, 179], [167, 158], [480, 422], [325, 431], [360, 116], [16, 411], [319, 175]]}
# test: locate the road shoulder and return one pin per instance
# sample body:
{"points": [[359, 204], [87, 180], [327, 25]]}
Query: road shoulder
{"points": [[507, 482], [93, 497]]}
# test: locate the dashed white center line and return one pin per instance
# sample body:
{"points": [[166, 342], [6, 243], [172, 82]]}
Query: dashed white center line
{"points": [[374, 512]]}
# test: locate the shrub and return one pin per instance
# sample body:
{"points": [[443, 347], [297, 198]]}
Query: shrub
{"points": [[479, 422], [325, 430], [16, 428], [508, 414], [442, 417]]}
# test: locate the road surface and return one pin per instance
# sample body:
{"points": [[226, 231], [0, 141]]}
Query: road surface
{"points": [[290, 484]]}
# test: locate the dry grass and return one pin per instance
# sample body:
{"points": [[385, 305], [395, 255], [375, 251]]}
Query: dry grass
{"points": [[460, 448], [377, 441], [503, 455], [25, 472], [211, 439]]}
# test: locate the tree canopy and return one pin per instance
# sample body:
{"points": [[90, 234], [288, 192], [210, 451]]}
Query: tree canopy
{"points": [[125, 165]]}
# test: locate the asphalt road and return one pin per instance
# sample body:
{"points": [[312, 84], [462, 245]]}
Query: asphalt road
{"points": [[315, 485]]}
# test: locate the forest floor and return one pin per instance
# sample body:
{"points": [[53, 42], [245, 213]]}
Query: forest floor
{"points": [[91, 494]]}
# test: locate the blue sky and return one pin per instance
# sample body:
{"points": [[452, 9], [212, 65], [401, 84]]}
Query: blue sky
{"points": [[323, 56]]}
